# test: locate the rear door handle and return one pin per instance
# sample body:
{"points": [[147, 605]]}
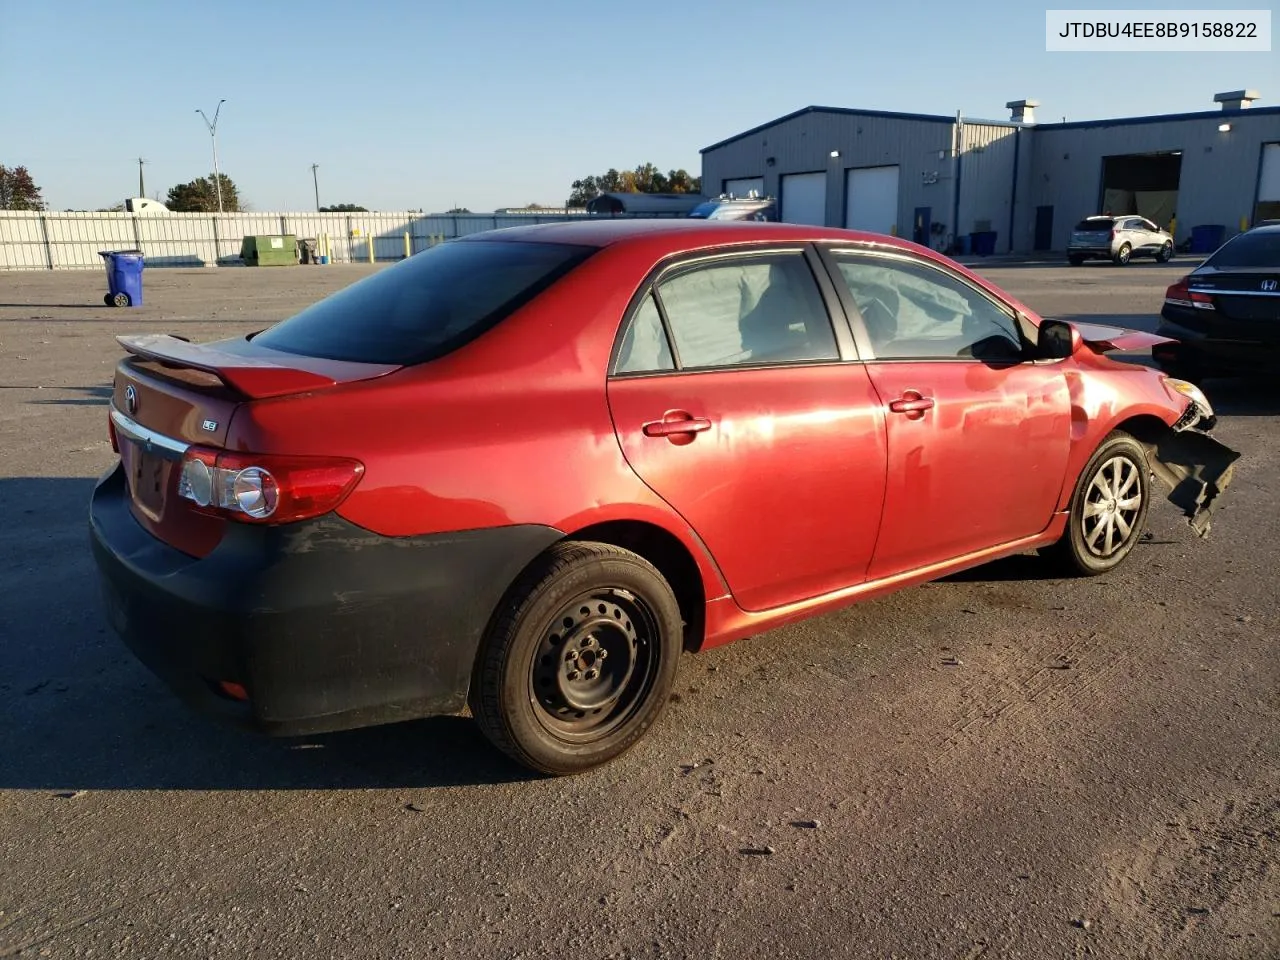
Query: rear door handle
{"points": [[675, 424], [912, 404]]}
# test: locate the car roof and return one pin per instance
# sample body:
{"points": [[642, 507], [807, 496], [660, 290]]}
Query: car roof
{"points": [[683, 232]]}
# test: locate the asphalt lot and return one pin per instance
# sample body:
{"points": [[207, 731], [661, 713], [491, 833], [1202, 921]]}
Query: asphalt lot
{"points": [[1098, 775]]}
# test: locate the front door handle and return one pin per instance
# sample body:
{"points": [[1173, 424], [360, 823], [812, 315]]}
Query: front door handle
{"points": [[676, 424], [912, 404]]}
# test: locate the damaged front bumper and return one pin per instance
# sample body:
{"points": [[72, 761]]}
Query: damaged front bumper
{"points": [[1195, 467]]}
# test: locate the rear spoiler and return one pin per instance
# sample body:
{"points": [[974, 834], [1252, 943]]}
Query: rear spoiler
{"points": [[254, 376]]}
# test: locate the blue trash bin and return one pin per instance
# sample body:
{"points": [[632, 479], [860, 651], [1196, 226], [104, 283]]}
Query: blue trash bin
{"points": [[124, 277]]}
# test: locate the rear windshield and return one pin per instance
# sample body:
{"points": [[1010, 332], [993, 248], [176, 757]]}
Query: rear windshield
{"points": [[1098, 223], [1248, 250], [425, 306]]}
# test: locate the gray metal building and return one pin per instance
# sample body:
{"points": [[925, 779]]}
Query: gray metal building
{"points": [[920, 176]]}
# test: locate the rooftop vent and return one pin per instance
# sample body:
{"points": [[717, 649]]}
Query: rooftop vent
{"points": [[1024, 111], [1236, 99]]}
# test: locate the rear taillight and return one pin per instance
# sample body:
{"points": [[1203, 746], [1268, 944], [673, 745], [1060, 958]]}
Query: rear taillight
{"points": [[1181, 295], [262, 488], [1113, 233]]}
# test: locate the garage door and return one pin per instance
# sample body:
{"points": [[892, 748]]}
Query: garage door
{"points": [[871, 199], [743, 186], [1269, 182], [804, 198]]}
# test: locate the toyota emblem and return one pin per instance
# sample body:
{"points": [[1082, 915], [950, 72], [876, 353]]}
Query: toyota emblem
{"points": [[1270, 285], [131, 398]]}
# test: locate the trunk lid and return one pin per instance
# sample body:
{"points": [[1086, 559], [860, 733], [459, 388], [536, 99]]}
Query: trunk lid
{"points": [[1248, 296], [170, 394]]}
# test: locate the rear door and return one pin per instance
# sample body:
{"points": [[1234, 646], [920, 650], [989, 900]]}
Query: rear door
{"points": [[738, 402], [978, 435]]}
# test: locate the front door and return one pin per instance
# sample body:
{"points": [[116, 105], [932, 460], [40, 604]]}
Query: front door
{"points": [[921, 225], [1044, 228], [731, 401], [978, 436]]}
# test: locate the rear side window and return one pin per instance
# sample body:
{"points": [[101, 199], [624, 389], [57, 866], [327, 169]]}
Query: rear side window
{"points": [[747, 310], [426, 306], [1248, 250]]}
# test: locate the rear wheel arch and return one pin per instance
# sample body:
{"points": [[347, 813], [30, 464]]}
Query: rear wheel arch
{"points": [[672, 559]]}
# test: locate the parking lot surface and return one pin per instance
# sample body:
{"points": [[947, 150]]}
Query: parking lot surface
{"points": [[999, 765]]}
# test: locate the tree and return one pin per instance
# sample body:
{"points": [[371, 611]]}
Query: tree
{"points": [[344, 208], [457, 210], [200, 196], [18, 191], [645, 178]]}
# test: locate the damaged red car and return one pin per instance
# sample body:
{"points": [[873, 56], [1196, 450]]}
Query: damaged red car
{"points": [[523, 471]]}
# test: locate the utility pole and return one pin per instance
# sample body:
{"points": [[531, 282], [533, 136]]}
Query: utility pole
{"points": [[142, 190], [213, 134], [316, 181]]}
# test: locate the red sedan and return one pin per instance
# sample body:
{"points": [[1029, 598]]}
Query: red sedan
{"points": [[525, 470]]}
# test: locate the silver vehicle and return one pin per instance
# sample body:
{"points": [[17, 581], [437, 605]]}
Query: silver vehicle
{"points": [[1118, 239]]}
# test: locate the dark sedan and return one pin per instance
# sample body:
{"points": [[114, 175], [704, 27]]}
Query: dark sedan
{"points": [[1225, 314]]}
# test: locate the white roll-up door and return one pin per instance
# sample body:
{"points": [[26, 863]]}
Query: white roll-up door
{"points": [[1269, 181], [871, 199], [804, 198]]}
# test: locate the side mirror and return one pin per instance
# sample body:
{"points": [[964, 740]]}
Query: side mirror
{"points": [[1056, 340]]}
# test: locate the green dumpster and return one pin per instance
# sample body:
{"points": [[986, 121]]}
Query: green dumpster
{"points": [[278, 250]]}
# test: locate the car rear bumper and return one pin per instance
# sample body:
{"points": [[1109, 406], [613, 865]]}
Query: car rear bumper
{"points": [[1089, 251], [324, 624], [1212, 352]]}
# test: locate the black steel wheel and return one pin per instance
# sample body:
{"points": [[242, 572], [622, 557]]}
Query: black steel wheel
{"points": [[1108, 510], [579, 660], [1165, 254]]}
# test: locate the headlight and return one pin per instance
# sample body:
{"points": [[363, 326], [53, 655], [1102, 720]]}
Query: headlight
{"points": [[1190, 391]]}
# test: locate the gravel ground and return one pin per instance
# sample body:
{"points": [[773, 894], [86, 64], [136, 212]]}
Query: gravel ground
{"points": [[996, 765]]}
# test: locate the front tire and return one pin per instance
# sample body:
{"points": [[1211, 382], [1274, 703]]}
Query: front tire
{"points": [[579, 659], [1108, 511], [1165, 254]]}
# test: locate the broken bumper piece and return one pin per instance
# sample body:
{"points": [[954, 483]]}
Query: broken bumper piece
{"points": [[1195, 467]]}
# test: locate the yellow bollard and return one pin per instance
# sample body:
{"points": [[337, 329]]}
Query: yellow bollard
{"points": [[371, 248], [408, 248], [1244, 224]]}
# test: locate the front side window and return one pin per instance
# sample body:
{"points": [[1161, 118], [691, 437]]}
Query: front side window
{"points": [[912, 311], [425, 306], [747, 310]]}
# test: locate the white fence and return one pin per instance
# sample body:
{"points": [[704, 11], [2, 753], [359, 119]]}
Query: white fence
{"points": [[71, 241]]}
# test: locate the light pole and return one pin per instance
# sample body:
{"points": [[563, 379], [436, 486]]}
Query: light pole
{"points": [[213, 134], [315, 179]]}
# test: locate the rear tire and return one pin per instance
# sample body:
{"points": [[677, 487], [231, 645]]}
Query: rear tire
{"points": [[1123, 255], [1108, 511], [579, 659]]}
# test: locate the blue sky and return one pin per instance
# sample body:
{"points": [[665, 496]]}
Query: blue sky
{"points": [[487, 103]]}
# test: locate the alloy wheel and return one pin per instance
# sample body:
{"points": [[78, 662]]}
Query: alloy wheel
{"points": [[1111, 507]]}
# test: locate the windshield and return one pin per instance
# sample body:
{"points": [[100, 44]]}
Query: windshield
{"points": [[427, 305], [1096, 223], [1248, 250], [703, 211]]}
